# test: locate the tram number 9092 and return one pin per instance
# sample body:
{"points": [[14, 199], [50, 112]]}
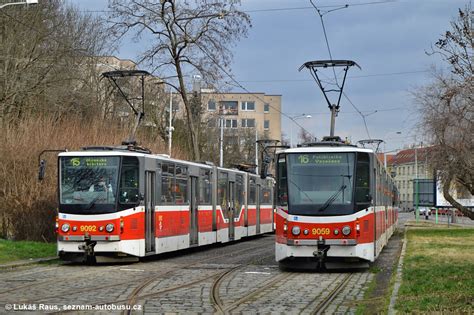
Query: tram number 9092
{"points": [[88, 228], [321, 231]]}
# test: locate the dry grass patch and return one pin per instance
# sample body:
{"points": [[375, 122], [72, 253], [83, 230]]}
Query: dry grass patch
{"points": [[28, 207]]}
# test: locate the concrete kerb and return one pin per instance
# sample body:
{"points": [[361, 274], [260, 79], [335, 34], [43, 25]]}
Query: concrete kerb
{"points": [[22, 263], [398, 276]]}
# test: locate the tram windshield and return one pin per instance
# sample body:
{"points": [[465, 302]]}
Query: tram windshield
{"points": [[317, 183], [89, 182]]}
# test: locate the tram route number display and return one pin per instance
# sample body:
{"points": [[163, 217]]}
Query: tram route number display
{"points": [[320, 159]]}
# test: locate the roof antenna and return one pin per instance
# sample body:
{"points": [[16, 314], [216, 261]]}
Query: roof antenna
{"points": [[313, 67], [139, 113]]}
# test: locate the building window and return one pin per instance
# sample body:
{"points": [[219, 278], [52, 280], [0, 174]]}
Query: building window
{"points": [[266, 108], [266, 124], [247, 106], [248, 123], [231, 123], [229, 107], [211, 105]]}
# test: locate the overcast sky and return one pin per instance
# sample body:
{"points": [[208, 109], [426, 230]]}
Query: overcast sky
{"points": [[388, 40]]}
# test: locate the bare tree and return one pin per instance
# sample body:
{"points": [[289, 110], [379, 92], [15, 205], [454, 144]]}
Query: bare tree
{"points": [[185, 39], [447, 106], [305, 136], [45, 60]]}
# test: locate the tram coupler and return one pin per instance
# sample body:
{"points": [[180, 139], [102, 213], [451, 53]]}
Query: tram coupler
{"points": [[88, 247], [321, 253]]}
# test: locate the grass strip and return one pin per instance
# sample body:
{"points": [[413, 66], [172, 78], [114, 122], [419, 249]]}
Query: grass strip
{"points": [[438, 271], [11, 251]]}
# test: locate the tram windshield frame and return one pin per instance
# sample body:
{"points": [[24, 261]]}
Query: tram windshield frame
{"points": [[317, 183], [97, 184]]}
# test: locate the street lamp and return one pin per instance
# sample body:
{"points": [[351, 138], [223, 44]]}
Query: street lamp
{"points": [[27, 2], [293, 119]]}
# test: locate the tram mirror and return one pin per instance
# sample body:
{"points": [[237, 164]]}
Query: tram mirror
{"points": [[42, 170]]}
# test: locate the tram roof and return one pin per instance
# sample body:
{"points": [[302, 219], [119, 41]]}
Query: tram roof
{"points": [[163, 157], [322, 149]]}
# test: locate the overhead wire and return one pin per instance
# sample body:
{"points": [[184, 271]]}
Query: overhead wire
{"points": [[285, 9], [325, 34], [349, 77], [320, 14], [360, 113]]}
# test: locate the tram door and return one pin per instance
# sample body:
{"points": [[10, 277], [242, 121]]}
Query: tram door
{"points": [[149, 211], [193, 229], [231, 212]]}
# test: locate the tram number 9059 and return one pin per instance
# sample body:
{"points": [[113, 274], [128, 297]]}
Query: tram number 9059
{"points": [[88, 228], [321, 231]]}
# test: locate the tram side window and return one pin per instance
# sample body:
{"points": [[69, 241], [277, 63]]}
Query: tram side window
{"points": [[266, 196], [282, 188], [129, 193], [252, 192], [167, 183], [205, 187], [239, 190], [362, 185], [181, 187], [222, 190]]}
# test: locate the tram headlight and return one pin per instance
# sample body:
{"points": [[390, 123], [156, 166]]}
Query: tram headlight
{"points": [[336, 232], [109, 227], [306, 232], [65, 227], [346, 230], [74, 228], [295, 230]]}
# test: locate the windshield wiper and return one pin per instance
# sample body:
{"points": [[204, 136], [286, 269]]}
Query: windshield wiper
{"points": [[332, 198], [92, 203]]}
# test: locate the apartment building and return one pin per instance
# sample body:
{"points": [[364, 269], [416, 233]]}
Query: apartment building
{"points": [[245, 111], [405, 166]]}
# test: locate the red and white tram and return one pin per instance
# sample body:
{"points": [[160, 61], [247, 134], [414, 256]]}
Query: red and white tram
{"points": [[122, 202], [335, 203]]}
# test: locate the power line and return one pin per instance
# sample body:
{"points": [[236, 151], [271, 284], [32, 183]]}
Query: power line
{"points": [[360, 113], [285, 9], [355, 112], [349, 77], [330, 55], [325, 34]]}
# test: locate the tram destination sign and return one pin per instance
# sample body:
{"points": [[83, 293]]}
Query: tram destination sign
{"points": [[322, 159], [94, 161]]}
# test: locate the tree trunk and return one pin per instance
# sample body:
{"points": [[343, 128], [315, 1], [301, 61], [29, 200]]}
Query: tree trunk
{"points": [[468, 213]]}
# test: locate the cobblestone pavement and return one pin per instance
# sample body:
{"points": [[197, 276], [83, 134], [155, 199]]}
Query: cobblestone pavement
{"points": [[237, 278]]}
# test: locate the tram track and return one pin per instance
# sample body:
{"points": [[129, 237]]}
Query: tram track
{"points": [[134, 297], [137, 293], [322, 306], [54, 280], [221, 308]]}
